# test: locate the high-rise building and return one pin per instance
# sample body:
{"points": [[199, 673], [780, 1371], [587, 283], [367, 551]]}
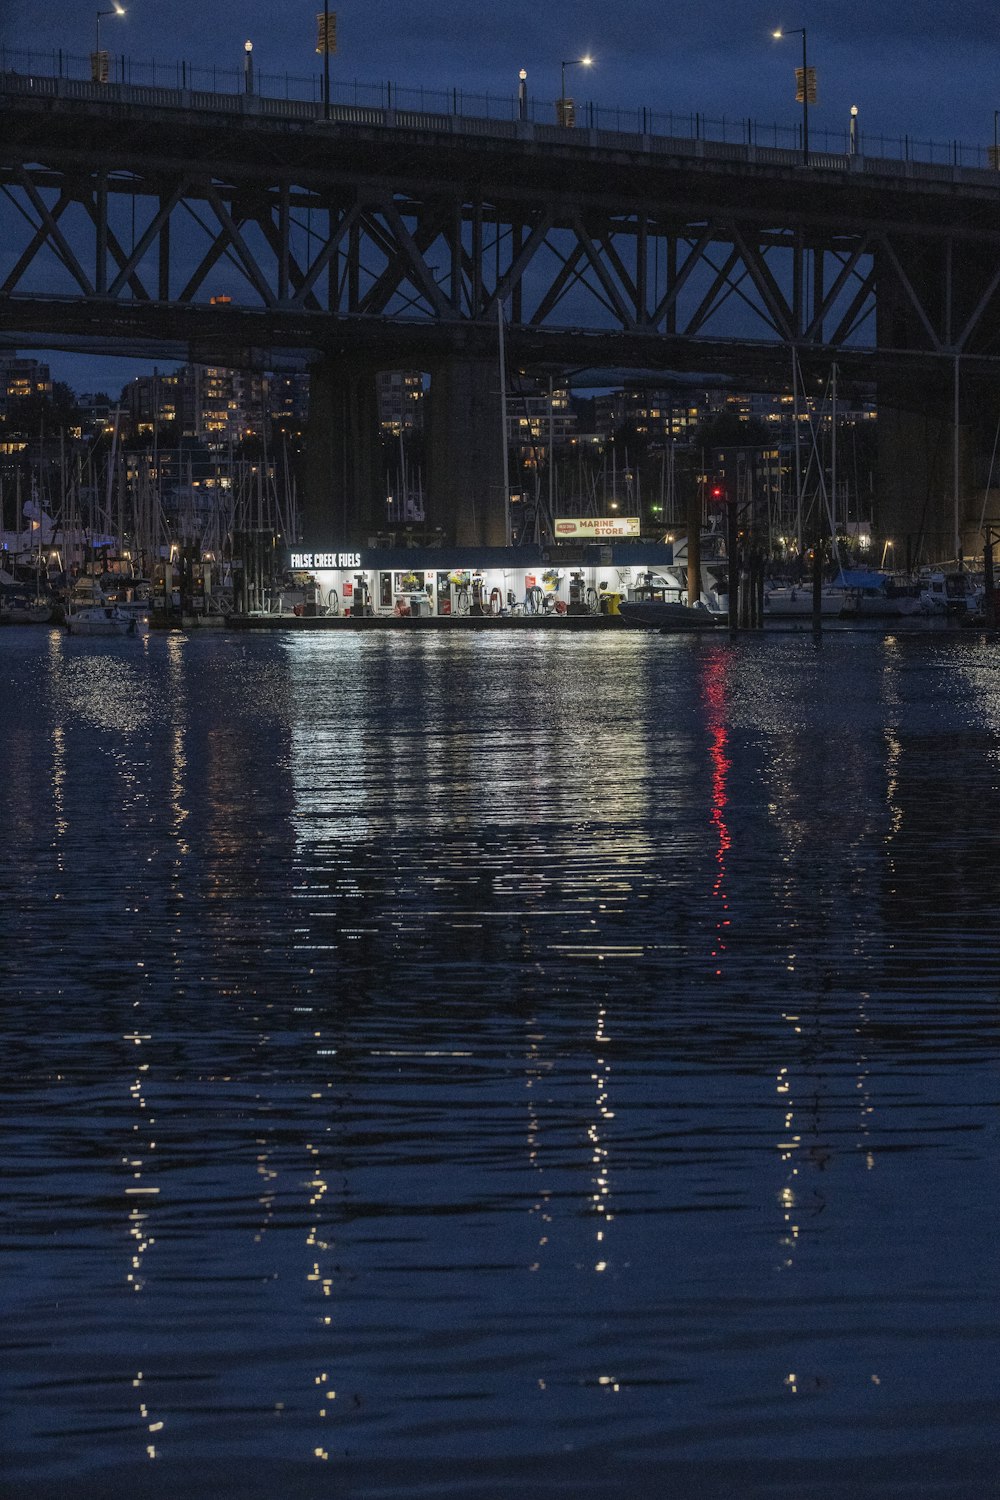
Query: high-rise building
{"points": [[400, 401], [20, 378]]}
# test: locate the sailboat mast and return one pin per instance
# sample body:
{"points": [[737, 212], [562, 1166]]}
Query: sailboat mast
{"points": [[503, 421]]}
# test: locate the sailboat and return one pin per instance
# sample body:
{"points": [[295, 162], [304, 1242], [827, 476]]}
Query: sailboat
{"points": [[89, 613]]}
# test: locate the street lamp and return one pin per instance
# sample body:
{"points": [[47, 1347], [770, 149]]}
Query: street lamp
{"points": [[116, 10], [522, 94], [248, 67], [807, 85], [564, 110], [854, 130], [99, 61]]}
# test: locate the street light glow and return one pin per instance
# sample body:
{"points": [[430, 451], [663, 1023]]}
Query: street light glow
{"points": [[779, 35]]}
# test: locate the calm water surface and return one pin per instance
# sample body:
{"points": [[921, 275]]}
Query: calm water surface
{"points": [[499, 1066]]}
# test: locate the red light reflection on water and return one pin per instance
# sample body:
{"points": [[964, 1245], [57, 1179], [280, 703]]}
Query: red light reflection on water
{"points": [[714, 689]]}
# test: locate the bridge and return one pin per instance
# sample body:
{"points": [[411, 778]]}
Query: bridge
{"points": [[252, 231]]}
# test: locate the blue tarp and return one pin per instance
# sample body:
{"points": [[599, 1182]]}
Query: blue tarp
{"points": [[860, 578]]}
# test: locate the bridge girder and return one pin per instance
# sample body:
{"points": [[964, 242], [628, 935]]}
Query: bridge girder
{"points": [[406, 238]]}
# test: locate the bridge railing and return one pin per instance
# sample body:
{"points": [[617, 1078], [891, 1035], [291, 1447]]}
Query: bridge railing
{"points": [[457, 112]]}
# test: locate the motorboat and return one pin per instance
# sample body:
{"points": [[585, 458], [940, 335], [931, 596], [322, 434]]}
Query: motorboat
{"points": [[659, 602], [958, 593], [668, 615]]}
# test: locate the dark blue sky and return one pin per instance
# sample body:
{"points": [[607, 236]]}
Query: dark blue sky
{"points": [[920, 68]]}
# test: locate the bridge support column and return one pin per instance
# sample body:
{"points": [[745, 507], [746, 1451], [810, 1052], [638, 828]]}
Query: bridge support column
{"points": [[927, 420], [915, 505], [465, 455], [343, 502]]}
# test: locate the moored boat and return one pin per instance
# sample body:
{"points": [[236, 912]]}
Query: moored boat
{"points": [[955, 593], [669, 615], [878, 596], [100, 619], [795, 601], [24, 611], [659, 601]]}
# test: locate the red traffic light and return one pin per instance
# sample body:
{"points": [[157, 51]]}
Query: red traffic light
{"points": [[717, 492]]}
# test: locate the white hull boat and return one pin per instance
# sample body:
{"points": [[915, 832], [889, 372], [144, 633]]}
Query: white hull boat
{"points": [[796, 602], [100, 619]]}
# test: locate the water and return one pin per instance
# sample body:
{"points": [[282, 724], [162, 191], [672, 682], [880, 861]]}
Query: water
{"points": [[499, 1066]]}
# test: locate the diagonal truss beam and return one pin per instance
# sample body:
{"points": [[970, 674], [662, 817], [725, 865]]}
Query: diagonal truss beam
{"points": [[249, 264], [146, 240], [814, 330], [408, 250], [35, 244], [567, 274], [722, 279], [411, 259], [514, 275], [107, 241], [861, 302], [885, 244], [54, 234], [668, 302], [600, 270], [776, 304]]}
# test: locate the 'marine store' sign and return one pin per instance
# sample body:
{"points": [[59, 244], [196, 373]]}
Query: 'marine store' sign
{"points": [[596, 527], [308, 560]]}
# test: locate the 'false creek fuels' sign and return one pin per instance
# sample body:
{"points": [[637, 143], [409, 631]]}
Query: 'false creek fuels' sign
{"points": [[596, 526], [307, 560]]}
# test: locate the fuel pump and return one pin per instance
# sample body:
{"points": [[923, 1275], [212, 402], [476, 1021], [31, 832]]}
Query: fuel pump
{"points": [[577, 595], [361, 603], [478, 605]]}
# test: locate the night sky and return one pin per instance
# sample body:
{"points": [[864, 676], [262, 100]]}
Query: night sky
{"points": [[923, 68]]}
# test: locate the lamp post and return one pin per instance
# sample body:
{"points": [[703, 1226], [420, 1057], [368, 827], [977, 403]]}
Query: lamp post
{"points": [[248, 67], [854, 130], [116, 10], [522, 94], [801, 31], [572, 62], [98, 68]]}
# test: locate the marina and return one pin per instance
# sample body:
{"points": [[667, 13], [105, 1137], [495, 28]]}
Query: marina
{"points": [[502, 718]]}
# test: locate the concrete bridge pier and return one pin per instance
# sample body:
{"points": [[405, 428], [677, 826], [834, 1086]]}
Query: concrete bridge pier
{"points": [[928, 417], [465, 480], [343, 502], [915, 504]]}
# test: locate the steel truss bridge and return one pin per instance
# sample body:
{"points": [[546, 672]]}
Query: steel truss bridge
{"points": [[227, 228]]}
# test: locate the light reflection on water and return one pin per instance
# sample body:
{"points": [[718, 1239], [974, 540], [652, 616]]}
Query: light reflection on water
{"points": [[491, 1066]]}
